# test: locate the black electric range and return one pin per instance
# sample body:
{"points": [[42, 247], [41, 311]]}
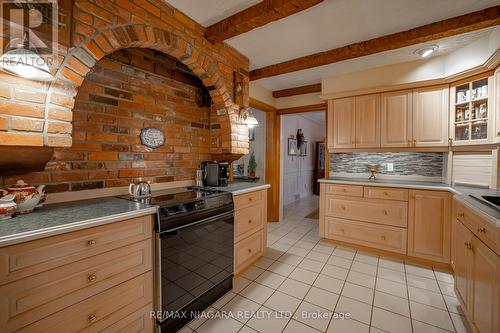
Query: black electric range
{"points": [[194, 252]]}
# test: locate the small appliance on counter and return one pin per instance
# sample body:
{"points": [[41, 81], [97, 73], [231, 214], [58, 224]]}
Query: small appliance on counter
{"points": [[139, 191], [215, 173], [26, 196]]}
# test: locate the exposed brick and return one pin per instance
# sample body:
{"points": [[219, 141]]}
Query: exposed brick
{"points": [[87, 185], [59, 127], [102, 156], [60, 114], [17, 139], [56, 188], [24, 124], [30, 96], [4, 124], [130, 173]]}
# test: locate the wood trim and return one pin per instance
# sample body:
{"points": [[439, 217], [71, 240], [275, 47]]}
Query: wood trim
{"points": [[473, 78], [312, 88], [475, 148], [304, 108], [392, 149], [255, 103], [273, 166], [255, 16], [450, 27]]}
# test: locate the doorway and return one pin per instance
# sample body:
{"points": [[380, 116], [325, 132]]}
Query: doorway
{"points": [[301, 160]]}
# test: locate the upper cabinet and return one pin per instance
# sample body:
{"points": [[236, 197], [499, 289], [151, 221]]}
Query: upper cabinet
{"points": [[395, 119], [367, 121], [430, 117], [344, 123], [497, 105], [472, 116], [405, 119]]}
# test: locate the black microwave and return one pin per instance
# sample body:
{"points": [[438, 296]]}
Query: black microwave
{"points": [[215, 173]]}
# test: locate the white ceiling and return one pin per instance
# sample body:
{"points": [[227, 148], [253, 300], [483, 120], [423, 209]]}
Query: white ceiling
{"points": [[331, 24]]}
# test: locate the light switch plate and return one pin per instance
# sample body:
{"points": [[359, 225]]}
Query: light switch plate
{"points": [[390, 166]]}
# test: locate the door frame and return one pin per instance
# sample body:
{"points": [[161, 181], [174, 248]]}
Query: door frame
{"points": [[273, 153]]}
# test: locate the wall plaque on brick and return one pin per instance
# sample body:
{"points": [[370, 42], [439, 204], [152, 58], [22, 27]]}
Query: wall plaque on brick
{"points": [[152, 137]]}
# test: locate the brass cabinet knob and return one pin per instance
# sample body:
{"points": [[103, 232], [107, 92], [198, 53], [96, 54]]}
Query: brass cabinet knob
{"points": [[468, 245], [92, 318], [409, 142], [92, 278], [249, 250], [481, 230], [342, 207], [385, 193], [383, 237], [461, 214], [344, 190], [91, 242], [385, 212], [342, 231], [250, 221], [414, 142]]}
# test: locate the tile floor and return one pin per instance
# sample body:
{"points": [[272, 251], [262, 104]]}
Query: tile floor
{"points": [[303, 285]]}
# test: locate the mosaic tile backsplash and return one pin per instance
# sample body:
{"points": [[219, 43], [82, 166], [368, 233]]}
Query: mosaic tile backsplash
{"points": [[405, 164]]}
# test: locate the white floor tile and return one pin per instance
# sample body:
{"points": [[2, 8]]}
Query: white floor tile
{"points": [[318, 256], [290, 259], [252, 273], [257, 292], [268, 321], [419, 327], [364, 268], [272, 253], [217, 325], [390, 322], [426, 297], [361, 279], [366, 258], [240, 305], [422, 282], [223, 300], [453, 304], [357, 292], [391, 287], [340, 262], [323, 249], [297, 327], [303, 275], [335, 271], [431, 315], [347, 326], [447, 288], [282, 302], [329, 283], [240, 283], [392, 275], [270, 279], [323, 298], [423, 271], [312, 265], [298, 251], [264, 263], [344, 253], [392, 264], [444, 276], [460, 323], [197, 322], [313, 315], [392, 303], [294, 288], [356, 309], [281, 268], [246, 329]]}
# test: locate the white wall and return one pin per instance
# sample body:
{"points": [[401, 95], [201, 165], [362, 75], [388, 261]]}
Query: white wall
{"points": [[297, 174], [258, 146]]}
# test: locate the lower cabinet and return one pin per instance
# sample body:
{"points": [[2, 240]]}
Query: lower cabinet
{"points": [[477, 279], [250, 228], [429, 229], [98, 279]]}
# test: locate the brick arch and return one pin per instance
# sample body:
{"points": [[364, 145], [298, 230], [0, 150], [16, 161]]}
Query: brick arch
{"points": [[81, 58]]}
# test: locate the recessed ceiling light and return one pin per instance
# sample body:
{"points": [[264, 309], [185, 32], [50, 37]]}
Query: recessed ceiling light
{"points": [[426, 51]]}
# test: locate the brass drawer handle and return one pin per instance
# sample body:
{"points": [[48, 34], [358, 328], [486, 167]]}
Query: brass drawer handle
{"points": [[342, 231], [250, 221], [385, 193], [92, 278], [249, 250], [385, 212], [481, 230], [468, 245], [91, 242], [383, 237], [92, 318], [342, 207], [461, 214], [250, 199], [344, 190]]}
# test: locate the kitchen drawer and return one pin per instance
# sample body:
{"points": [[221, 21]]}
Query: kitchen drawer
{"points": [[385, 212], [30, 299], [21, 260], [249, 199], [366, 234], [248, 220], [101, 311], [387, 193], [484, 230], [138, 322], [347, 190], [248, 250]]}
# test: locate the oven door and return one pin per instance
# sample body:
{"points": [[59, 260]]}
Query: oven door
{"points": [[194, 260]]}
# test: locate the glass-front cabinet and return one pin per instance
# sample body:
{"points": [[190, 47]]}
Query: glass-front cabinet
{"points": [[472, 119]]}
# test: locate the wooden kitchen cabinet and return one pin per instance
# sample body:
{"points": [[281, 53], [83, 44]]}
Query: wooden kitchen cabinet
{"points": [[396, 119], [429, 227], [477, 274], [250, 228], [367, 127], [430, 117], [344, 123], [497, 104]]}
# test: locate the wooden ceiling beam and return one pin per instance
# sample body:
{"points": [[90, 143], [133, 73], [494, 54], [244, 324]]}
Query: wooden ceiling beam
{"points": [[255, 16], [450, 27], [312, 88]]}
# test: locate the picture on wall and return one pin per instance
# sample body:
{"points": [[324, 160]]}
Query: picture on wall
{"points": [[303, 148], [292, 146]]}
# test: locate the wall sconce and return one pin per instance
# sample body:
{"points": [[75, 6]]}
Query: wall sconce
{"points": [[25, 63], [247, 117]]}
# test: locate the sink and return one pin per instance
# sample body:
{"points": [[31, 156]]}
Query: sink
{"points": [[490, 200]]}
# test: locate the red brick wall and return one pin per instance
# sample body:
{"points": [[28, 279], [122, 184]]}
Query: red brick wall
{"points": [[113, 104], [39, 114]]}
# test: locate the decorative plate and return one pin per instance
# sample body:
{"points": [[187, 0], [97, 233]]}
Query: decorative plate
{"points": [[152, 137]]}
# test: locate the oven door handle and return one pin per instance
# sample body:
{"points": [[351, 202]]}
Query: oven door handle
{"points": [[169, 233]]}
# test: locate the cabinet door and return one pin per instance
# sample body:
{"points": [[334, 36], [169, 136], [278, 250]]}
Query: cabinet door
{"points": [[485, 288], [460, 261], [368, 121], [344, 123], [497, 106], [430, 117], [395, 119], [429, 229]]}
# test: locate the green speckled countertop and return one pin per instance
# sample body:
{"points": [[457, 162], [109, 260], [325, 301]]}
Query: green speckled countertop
{"points": [[64, 217]]}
